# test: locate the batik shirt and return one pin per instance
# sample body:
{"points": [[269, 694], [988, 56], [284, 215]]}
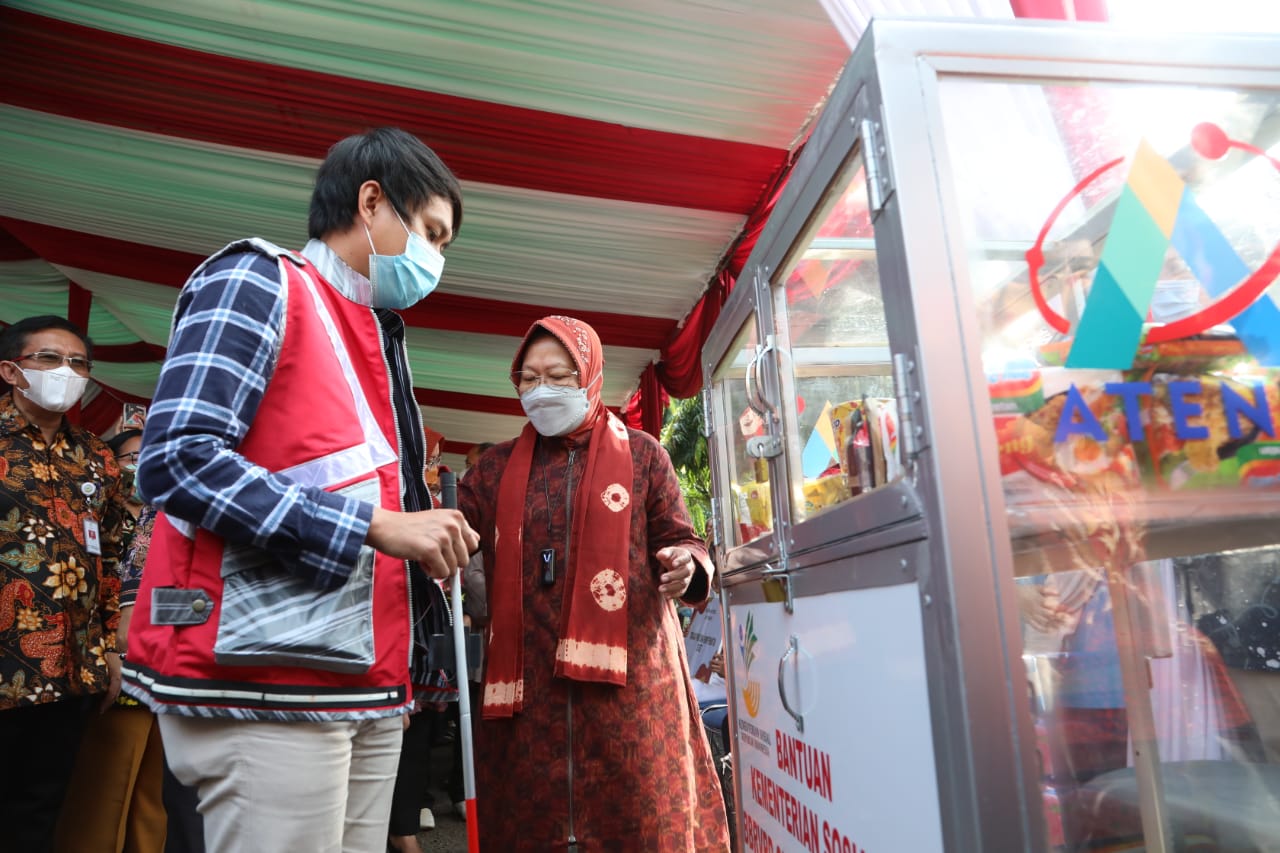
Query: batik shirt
{"points": [[137, 542], [59, 603]]}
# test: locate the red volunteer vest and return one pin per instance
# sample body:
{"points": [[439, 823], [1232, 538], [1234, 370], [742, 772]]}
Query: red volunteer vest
{"points": [[312, 429]]}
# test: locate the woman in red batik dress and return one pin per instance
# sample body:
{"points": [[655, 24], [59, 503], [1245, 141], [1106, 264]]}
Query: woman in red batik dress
{"points": [[590, 736]]}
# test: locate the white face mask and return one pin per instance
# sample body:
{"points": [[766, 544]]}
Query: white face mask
{"points": [[54, 390], [555, 411]]}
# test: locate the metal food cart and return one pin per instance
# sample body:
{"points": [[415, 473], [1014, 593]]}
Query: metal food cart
{"points": [[992, 414]]}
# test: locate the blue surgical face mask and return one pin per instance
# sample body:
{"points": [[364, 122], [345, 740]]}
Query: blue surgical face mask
{"points": [[400, 281]]}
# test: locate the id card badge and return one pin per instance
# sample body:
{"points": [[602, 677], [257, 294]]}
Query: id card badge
{"points": [[92, 542]]}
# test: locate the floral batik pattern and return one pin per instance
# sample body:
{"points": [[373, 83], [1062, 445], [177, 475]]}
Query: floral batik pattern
{"points": [[58, 600]]}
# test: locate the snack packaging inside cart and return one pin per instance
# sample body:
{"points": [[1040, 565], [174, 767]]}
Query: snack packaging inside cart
{"points": [[867, 438], [755, 517], [1189, 415]]}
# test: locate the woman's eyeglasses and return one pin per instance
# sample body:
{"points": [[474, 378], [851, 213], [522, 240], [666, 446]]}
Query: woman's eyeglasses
{"points": [[46, 360], [128, 458], [556, 378]]}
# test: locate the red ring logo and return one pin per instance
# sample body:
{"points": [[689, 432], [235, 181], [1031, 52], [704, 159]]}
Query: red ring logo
{"points": [[1210, 142]]}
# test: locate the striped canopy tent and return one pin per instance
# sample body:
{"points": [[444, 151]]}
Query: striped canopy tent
{"points": [[617, 157]]}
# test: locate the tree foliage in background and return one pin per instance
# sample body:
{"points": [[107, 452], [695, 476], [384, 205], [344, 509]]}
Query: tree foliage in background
{"points": [[682, 437]]}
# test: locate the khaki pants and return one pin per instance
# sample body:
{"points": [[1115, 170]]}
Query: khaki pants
{"points": [[113, 802], [270, 786]]}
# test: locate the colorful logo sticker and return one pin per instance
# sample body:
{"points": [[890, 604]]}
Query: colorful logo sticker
{"points": [[1157, 210], [747, 646]]}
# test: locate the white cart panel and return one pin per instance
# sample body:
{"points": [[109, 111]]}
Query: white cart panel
{"points": [[860, 775]]}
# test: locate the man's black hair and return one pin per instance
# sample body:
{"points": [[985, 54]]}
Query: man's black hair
{"points": [[408, 171], [117, 441], [13, 340]]}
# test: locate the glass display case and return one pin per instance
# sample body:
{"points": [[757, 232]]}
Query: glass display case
{"points": [[833, 346], [1131, 347], [742, 509], [994, 418], [738, 401]]}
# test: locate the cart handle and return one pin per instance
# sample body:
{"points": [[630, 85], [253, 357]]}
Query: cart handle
{"points": [[782, 686], [749, 378]]}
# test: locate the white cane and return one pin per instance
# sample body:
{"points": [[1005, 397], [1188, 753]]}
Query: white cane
{"points": [[449, 498]]}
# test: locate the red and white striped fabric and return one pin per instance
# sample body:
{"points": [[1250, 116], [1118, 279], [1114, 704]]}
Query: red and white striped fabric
{"points": [[611, 153]]}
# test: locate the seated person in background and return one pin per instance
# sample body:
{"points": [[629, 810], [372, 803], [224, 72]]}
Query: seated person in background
{"points": [[713, 690]]}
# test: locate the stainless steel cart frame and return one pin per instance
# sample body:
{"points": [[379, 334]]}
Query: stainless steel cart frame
{"points": [[943, 529]]}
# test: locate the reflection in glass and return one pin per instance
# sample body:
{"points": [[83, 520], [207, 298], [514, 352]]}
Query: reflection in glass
{"points": [[843, 432], [1138, 448], [749, 512], [1204, 625]]}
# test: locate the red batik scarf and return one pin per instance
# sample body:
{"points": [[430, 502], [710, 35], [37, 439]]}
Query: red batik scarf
{"points": [[593, 620]]}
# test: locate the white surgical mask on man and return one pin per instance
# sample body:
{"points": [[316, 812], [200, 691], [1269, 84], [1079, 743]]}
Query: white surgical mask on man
{"points": [[54, 390]]}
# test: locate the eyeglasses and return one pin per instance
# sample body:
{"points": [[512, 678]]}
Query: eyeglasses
{"points": [[46, 360], [128, 458], [556, 379]]}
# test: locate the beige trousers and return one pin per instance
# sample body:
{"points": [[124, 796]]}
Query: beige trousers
{"points": [[268, 786]]}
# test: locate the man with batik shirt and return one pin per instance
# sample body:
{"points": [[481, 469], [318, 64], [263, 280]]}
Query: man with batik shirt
{"points": [[61, 516]]}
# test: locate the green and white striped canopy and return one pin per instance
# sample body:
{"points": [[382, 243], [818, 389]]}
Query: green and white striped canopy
{"points": [[610, 151]]}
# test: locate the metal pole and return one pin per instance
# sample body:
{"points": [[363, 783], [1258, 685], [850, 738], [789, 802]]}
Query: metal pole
{"points": [[449, 498], [1135, 676]]}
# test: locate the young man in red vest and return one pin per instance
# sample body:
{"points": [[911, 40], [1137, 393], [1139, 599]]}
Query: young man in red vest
{"points": [[284, 448]]}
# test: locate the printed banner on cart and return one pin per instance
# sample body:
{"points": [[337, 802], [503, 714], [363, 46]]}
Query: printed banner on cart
{"points": [[860, 777]]}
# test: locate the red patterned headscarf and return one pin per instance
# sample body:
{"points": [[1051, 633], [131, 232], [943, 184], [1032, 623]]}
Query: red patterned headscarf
{"points": [[593, 619]]}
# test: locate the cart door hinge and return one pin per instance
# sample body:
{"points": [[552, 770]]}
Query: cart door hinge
{"points": [[706, 412], [906, 379], [875, 157], [715, 523]]}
